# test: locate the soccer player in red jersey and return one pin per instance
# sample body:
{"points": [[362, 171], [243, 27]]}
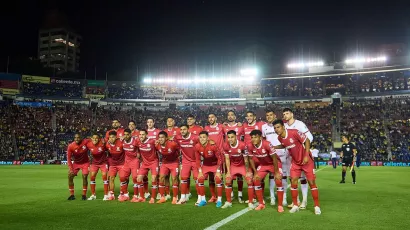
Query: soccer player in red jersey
{"points": [[116, 126], [237, 163], [298, 146], [131, 164], [152, 134], [169, 151], [251, 125], [193, 128], [171, 129], [116, 163], [133, 127], [147, 151], [210, 166], [186, 142], [238, 128], [269, 162], [99, 162], [216, 133], [79, 152]]}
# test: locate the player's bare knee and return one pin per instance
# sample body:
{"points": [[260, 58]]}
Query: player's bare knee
{"points": [[218, 180], [311, 182], [294, 181]]}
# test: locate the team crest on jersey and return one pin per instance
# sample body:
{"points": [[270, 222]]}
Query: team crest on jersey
{"points": [[99, 149], [148, 145], [209, 153], [263, 151], [155, 133], [217, 128], [131, 146], [191, 142], [291, 140], [118, 149], [239, 151], [92, 150], [84, 147], [76, 150], [347, 149], [169, 150], [236, 129], [256, 127]]}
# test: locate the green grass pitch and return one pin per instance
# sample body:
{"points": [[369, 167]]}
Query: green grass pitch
{"points": [[34, 197]]}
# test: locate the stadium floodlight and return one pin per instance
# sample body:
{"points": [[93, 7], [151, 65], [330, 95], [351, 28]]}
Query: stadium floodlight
{"points": [[249, 72], [365, 60], [147, 80], [301, 65]]}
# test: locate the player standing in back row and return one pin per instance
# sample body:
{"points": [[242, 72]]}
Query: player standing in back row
{"points": [[348, 156], [78, 150]]}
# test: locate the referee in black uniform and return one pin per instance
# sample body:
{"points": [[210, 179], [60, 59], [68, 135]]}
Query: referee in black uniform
{"points": [[348, 157]]}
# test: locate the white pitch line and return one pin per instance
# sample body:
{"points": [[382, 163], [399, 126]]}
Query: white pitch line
{"points": [[237, 214]]}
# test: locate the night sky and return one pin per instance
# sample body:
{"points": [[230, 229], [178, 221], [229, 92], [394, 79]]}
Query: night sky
{"points": [[176, 35]]}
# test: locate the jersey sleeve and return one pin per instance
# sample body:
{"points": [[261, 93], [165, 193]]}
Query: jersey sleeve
{"points": [[218, 154], [250, 148], [300, 136], [226, 149], [197, 158], [269, 148], [263, 131]]}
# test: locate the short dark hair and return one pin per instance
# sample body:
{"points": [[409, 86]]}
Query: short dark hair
{"points": [[150, 118], [253, 113], [231, 111], [163, 133], [287, 110], [116, 120], [231, 132], [346, 135], [127, 130], [132, 122], [211, 114], [256, 132], [144, 130], [184, 125], [170, 117], [191, 115], [112, 133], [278, 121], [95, 134], [78, 133], [204, 132], [270, 111]]}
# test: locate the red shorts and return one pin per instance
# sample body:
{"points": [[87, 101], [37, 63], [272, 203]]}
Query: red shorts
{"points": [[309, 170], [208, 169], [264, 170], [102, 167], [143, 171], [237, 171], [187, 167], [131, 167], [84, 168], [114, 169], [167, 168]]}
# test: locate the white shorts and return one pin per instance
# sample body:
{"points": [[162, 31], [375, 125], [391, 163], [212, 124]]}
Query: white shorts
{"points": [[285, 159]]}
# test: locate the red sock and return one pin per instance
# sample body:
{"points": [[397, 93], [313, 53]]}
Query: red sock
{"points": [[315, 194], [134, 180], [141, 189], [240, 184], [167, 189], [259, 192], [197, 188], [228, 190], [294, 191], [212, 188], [153, 189], [71, 189], [279, 188], [251, 192], [105, 185], [161, 189], [124, 186], [219, 188], [175, 190], [92, 185], [85, 190], [146, 184], [188, 186], [184, 186], [201, 189]]}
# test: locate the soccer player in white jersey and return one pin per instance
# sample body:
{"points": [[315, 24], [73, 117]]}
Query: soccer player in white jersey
{"points": [[292, 123], [268, 132]]}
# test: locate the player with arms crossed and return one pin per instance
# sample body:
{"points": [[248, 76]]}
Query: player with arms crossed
{"points": [[292, 123], [238, 128], [269, 162], [131, 164], [169, 165], [211, 166], [116, 164], [79, 152], [147, 151], [268, 132], [348, 157], [193, 128], [298, 146], [186, 142], [237, 163], [99, 162]]}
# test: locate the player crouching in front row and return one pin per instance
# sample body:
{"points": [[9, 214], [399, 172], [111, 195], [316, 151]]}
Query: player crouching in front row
{"points": [[298, 146]]}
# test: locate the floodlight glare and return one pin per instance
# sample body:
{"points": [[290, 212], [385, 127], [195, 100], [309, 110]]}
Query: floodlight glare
{"points": [[249, 72]]}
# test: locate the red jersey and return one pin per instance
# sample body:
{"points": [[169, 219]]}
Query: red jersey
{"points": [[195, 129], [148, 151], [98, 152], [78, 151], [249, 128], [210, 154], [169, 152], [153, 133], [117, 155], [187, 146], [172, 132], [135, 133], [216, 133], [130, 148], [238, 129], [236, 153], [293, 142], [120, 133], [263, 152]]}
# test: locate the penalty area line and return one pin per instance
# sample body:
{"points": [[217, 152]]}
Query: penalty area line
{"points": [[238, 214]]}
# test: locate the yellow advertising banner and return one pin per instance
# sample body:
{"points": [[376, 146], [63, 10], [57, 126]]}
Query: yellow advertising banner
{"points": [[35, 79], [9, 91], [94, 96]]}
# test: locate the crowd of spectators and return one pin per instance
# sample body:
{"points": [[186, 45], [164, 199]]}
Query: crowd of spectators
{"points": [[124, 91], [53, 90]]}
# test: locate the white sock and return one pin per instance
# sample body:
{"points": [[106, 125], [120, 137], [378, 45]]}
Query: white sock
{"points": [[232, 193], [219, 198], [239, 193], [199, 197], [285, 187], [304, 188], [202, 198], [272, 188], [183, 196]]}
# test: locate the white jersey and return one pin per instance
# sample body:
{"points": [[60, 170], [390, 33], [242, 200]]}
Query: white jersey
{"points": [[301, 127], [332, 154], [315, 152]]}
